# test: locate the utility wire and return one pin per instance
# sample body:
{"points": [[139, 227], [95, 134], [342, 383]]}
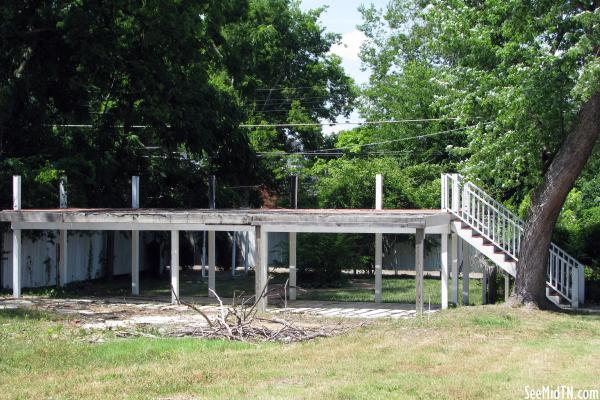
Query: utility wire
{"points": [[381, 122], [274, 153]]}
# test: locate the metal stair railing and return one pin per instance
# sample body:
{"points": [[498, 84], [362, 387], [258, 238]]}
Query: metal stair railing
{"points": [[490, 219]]}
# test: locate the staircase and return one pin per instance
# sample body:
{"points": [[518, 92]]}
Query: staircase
{"points": [[496, 232]]}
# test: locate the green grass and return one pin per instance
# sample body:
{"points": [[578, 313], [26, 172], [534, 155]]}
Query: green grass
{"points": [[395, 290], [487, 352]]}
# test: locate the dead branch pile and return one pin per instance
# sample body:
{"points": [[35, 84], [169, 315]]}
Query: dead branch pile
{"points": [[240, 322]]}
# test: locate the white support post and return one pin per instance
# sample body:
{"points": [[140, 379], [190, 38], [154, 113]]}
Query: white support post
{"points": [[135, 263], [506, 286], [203, 259], [466, 269], [16, 262], [16, 249], [212, 203], [419, 264], [261, 271], [135, 239], [16, 192], [246, 251], [135, 192], [63, 269], [378, 241], [378, 267], [174, 266], [211, 262], [292, 264], [444, 271], [233, 252], [454, 257]]}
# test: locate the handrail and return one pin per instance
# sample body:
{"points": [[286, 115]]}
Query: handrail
{"points": [[504, 229]]}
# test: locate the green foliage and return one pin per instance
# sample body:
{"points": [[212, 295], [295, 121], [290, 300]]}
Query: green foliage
{"points": [[321, 257]]}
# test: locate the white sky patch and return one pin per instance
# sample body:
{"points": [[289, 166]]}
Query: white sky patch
{"points": [[349, 47]]}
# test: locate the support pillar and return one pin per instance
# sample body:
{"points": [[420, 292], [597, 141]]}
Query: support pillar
{"points": [[378, 241], [378, 266], [444, 270], [466, 269], [174, 266], [212, 202], [292, 264], [506, 286], [262, 259], [135, 263], [419, 263], [63, 256], [454, 257], [16, 249], [135, 239], [63, 270], [211, 263], [234, 236]]}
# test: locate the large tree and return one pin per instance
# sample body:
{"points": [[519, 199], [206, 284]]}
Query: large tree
{"points": [[528, 72]]}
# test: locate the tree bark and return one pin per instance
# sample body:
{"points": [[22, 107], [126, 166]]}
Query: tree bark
{"points": [[547, 202]]}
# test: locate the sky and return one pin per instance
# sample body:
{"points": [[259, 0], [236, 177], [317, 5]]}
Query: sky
{"points": [[342, 16]]}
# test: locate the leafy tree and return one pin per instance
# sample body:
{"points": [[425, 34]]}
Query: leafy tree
{"points": [[531, 68]]}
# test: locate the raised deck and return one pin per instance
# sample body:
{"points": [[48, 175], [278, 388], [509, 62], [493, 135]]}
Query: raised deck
{"points": [[272, 220]]}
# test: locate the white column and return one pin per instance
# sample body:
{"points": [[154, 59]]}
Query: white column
{"points": [[444, 270], [378, 240], [292, 263], [419, 261], [16, 262], [466, 269], [454, 257], [16, 249], [261, 271], [378, 266], [63, 257], [135, 192], [211, 262], [135, 263], [63, 269], [135, 239], [174, 266], [233, 251], [16, 192], [506, 286]]}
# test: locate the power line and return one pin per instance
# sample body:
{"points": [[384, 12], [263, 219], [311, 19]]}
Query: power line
{"points": [[381, 122], [328, 151]]}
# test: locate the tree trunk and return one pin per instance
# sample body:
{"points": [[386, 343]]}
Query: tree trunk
{"points": [[547, 202]]}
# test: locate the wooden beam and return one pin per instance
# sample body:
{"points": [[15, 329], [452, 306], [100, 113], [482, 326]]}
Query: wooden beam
{"points": [[419, 264], [174, 266]]}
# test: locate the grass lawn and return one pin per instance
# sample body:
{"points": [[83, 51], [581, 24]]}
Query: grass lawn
{"points": [[396, 289], [470, 352]]}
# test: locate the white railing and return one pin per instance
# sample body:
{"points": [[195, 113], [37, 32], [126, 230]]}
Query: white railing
{"points": [[504, 229]]}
